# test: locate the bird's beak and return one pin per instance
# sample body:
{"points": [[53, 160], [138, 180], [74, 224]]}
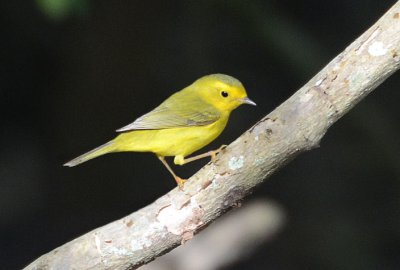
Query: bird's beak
{"points": [[246, 100]]}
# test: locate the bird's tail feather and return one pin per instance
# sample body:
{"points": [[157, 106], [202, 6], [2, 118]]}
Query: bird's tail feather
{"points": [[101, 150]]}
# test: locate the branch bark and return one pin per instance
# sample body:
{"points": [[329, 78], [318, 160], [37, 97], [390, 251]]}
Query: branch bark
{"points": [[225, 242], [294, 127]]}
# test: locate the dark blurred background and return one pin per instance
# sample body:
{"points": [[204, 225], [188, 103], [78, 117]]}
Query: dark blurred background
{"points": [[73, 71]]}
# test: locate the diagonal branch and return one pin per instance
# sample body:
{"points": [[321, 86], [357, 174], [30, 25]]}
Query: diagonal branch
{"points": [[294, 127]]}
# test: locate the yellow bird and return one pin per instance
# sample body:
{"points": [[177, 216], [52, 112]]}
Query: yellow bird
{"points": [[185, 122]]}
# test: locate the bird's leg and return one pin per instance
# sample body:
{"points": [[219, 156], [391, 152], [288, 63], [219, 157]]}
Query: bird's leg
{"points": [[178, 180], [212, 154]]}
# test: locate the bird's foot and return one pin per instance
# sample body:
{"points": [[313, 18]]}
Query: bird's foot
{"points": [[181, 182], [216, 152]]}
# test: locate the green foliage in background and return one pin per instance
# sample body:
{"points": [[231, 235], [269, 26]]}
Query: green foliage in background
{"points": [[62, 9]]}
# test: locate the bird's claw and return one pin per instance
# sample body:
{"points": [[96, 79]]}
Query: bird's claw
{"points": [[181, 182], [222, 147], [216, 152]]}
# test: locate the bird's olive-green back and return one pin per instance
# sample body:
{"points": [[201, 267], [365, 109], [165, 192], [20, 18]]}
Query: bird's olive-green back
{"points": [[182, 109]]}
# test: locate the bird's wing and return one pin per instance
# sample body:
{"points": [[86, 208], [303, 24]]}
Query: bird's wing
{"points": [[182, 109]]}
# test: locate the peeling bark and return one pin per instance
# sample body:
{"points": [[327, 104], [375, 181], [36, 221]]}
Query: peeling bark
{"points": [[294, 127]]}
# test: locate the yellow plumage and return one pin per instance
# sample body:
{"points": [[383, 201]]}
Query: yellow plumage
{"points": [[185, 122]]}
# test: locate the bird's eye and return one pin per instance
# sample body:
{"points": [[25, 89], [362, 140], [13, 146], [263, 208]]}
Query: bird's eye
{"points": [[224, 93]]}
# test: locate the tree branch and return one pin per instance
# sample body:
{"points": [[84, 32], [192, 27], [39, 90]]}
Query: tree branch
{"points": [[294, 127]]}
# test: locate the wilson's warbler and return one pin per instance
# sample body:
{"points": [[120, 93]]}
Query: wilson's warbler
{"points": [[185, 122]]}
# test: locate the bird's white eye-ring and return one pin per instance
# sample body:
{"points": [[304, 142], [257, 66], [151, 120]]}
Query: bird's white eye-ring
{"points": [[224, 93]]}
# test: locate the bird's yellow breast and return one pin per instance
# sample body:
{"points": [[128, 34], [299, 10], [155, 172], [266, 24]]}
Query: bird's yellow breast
{"points": [[172, 141]]}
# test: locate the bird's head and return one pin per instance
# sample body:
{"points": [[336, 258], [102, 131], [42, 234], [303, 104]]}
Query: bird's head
{"points": [[222, 91]]}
